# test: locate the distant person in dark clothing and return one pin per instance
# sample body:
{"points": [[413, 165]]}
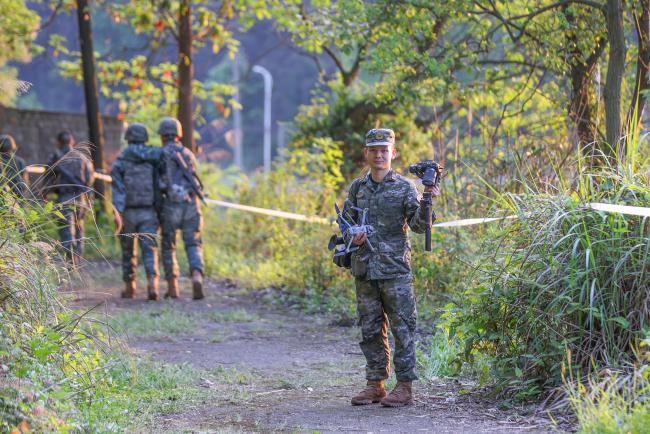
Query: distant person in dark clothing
{"points": [[75, 174], [13, 173]]}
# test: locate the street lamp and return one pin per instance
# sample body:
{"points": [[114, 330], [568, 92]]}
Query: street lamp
{"points": [[268, 87]]}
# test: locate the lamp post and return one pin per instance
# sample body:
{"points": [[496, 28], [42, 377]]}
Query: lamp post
{"points": [[268, 88], [238, 154]]}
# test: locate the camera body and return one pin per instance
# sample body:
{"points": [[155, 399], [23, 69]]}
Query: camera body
{"points": [[428, 171]]}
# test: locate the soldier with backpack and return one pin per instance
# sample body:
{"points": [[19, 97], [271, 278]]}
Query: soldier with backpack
{"points": [[136, 196], [181, 208]]}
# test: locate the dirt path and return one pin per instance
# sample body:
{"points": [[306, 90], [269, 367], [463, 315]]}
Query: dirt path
{"points": [[297, 372]]}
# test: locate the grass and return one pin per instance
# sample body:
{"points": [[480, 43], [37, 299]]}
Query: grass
{"points": [[614, 402], [233, 316], [152, 323]]}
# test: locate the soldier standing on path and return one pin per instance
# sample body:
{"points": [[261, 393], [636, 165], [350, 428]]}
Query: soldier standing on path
{"points": [[181, 209], [74, 177], [12, 168], [137, 197], [384, 283]]}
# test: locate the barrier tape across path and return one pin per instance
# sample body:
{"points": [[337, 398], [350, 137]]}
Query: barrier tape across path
{"points": [[618, 209]]}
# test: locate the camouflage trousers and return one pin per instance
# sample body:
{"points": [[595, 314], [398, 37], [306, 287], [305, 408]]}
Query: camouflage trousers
{"points": [[380, 303], [71, 226], [187, 217], [140, 227]]}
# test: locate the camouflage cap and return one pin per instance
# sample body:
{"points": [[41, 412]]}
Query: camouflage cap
{"points": [[7, 143], [136, 132], [380, 136], [169, 126]]}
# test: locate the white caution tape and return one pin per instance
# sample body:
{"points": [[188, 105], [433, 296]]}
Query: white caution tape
{"points": [[621, 209], [282, 214], [618, 209], [42, 169], [467, 222]]}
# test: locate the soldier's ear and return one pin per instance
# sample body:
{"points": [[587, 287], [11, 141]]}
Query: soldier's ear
{"points": [[394, 153], [365, 152]]}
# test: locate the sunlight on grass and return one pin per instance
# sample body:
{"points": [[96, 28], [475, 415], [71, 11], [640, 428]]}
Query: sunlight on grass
{"points": [[156, 323]]}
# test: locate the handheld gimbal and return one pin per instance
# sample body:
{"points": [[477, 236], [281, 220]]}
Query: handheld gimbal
{"points": [[430, 173]]}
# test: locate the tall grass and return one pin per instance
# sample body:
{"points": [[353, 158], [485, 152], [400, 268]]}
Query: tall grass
{"points": [[561, 276], [52, 357], [614, 401]]}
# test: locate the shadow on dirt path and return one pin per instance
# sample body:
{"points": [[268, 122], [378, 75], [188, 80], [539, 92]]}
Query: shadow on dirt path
{"points": [[297, 372]]}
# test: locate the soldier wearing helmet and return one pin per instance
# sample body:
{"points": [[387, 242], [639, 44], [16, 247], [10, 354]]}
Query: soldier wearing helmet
{"points": [[13, 174], [136, 196], [383, 279], [181, 209]]}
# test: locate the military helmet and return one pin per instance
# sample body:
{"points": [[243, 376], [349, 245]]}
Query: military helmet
{"points": [[7, 143], [380, 136], [136, 132], [170, 126]]}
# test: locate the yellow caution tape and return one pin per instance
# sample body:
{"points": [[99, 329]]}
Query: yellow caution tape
{"points": [[36, 169]]}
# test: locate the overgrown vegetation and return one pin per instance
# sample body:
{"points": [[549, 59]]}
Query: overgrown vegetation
{"points": [[52, 358]]}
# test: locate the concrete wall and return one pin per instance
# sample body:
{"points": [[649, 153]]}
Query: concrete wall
{"points": [[35, 132]]}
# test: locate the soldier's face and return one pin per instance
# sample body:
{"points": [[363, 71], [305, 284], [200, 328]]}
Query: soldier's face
{"points": [[380, 156]]}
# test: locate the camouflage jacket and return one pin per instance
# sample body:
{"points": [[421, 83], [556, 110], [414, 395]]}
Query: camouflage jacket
{"points": [[177, 188], [134, 156], [79, 166], [13, 170], [393, 207]]}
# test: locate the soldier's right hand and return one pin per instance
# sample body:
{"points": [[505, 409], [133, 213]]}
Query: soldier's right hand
{"points": [[359, 239]]}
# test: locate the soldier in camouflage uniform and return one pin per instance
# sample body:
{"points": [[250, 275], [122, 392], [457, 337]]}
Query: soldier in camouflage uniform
{"points": [[74, 177], [384, 283], [181, 210], [136, 195], [12, 167]]}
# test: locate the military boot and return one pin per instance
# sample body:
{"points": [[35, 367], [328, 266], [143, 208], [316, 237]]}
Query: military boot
{"points": [[400, 396], [153, 287], [129, 292], [373, 393], [197, 284], [172, 288]]}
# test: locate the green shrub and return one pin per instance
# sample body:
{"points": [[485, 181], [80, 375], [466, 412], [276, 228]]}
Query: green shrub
{"points": [[560, 276], [614, 402]]}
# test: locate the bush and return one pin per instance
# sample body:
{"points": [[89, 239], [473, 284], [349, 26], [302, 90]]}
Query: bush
{"points": [[560, 276], [52, 358]]}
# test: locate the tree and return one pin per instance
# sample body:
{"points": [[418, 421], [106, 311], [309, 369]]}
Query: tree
{"points": [[95, 129]]}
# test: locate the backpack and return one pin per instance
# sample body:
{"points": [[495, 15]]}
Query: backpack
{"points": [[138, 183], [179, 189]]}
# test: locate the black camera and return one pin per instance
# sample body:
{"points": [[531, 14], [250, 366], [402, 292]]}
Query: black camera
{"points": [[428, 171]]}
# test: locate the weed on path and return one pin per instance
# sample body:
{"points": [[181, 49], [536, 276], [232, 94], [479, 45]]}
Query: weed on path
{"points": [[229, 364]]}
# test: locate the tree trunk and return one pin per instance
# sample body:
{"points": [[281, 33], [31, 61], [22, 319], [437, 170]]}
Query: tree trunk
{"points": [[185, 75], [639, 99], [615, 71], [95, 129]]}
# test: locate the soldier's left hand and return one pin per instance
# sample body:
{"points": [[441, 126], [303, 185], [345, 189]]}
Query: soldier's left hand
{"points": [[435, 190]]}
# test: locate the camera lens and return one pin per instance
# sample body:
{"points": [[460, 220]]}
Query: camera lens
{"points": [[413, 169]]}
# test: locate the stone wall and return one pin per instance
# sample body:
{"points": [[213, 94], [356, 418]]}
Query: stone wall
{"points": [[35, 132]]}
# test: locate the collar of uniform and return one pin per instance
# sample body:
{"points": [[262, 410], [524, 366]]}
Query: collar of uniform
{"points": [[390, 176], [64, 149]]}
